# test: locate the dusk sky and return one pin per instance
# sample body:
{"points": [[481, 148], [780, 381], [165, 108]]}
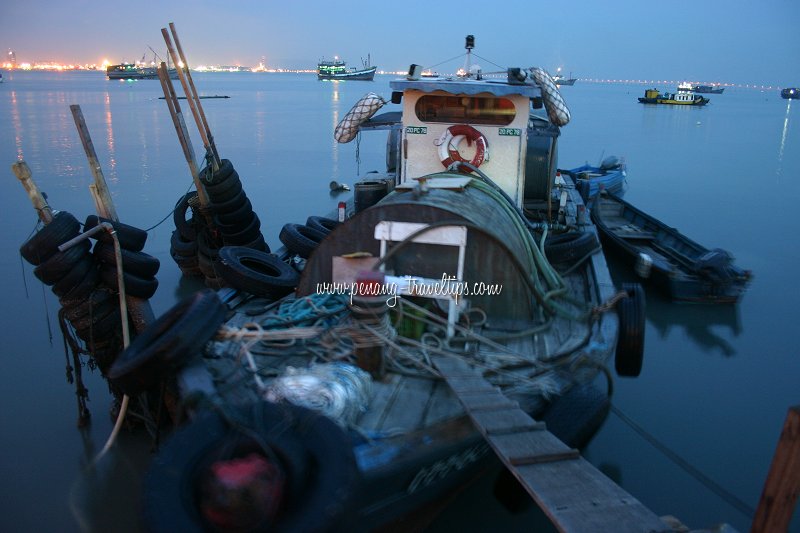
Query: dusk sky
{"points": [[736, 41]]}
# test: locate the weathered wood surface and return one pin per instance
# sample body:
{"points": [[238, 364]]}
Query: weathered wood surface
{"points": [[23, 173], [574, 495], [782, 487], [94, 165]]}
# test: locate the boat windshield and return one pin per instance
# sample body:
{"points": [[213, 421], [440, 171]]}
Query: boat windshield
{"points": [[471, 109]]}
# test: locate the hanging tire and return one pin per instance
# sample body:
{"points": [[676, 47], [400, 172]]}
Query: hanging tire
{"points": [[75, 276], [235, 217], [222, 192], [139, 264], [256, 272], [571, 246], [82, 289], [134, 285], [45, 242], [313, 454], [630, 344], [180, 246], [168, 343], [221, 175], [229, 206], [244, 234], [129, 237], [87, 306], [300, 239], [325, 225], [186, 227], [258, 244], [102, 329], [58, 265]]}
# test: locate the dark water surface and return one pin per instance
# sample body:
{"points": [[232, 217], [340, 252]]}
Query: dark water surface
{"points": [[716, 383]]}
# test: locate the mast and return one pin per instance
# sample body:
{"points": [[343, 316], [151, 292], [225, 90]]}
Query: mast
{"points": [[469, 45]]}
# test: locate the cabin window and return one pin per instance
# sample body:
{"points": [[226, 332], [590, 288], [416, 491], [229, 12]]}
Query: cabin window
{"points": [[471, 109]]}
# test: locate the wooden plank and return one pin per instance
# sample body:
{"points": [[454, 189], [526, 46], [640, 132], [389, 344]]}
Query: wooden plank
{"points": [[407, 411], [23, 173], [515, 447], [443, 405], [505, 422], [94, 165], [383, 395], [781, 489]]}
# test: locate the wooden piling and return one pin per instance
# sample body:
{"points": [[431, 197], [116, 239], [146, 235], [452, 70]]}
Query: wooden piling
{"points": [[23, 173], [781, 489]]}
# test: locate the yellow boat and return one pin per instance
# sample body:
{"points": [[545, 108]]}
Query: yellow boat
{"points": [[684, 96]]}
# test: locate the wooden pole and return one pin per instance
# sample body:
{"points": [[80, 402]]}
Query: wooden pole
{"points": [[94, 164], [194, 92], [23, 173], [781, 489], [180, 128], [182, 71]]}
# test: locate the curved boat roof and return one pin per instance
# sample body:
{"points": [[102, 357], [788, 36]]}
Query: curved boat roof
{"points": [[496, 87]]}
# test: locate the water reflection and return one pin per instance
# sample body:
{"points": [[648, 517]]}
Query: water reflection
{"points": [[17, 124], [335, 116], [112, 159], [697, 321], [779, 170]]}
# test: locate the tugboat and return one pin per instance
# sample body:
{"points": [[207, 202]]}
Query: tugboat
{"points": [[457, 294], [684, 96], [337, 69], [708, 89]]}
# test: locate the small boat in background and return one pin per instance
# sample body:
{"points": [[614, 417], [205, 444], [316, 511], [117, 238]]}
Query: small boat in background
{"points": [[684, 96], [338, 70], [609, 176], [790, 93], [708, 89], [685, 270], [561, 80]]}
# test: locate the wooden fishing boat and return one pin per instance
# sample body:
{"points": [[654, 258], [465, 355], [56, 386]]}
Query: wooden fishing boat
{"points": [[609, 176], [337, 69], [685, 270], [421, 331], [685, 96]]}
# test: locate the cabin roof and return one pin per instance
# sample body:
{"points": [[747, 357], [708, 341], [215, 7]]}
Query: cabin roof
{"points": [[496, 87]]}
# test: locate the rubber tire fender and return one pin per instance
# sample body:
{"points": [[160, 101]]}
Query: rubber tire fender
{"points": [[45, 242], [134, 285], [571, 246], [300, 239], [75, 276], [235, 217], [129, 237], [169, 342], [221, 175], [58, 265], [325, 499], [137, 263], [185, 227], [323, 224], [182, 247], [630, 343], [225, 190], [257, 272]]}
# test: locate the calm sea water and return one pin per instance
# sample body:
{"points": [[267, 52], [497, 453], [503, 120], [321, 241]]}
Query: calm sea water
{"points": [[716, 383]]}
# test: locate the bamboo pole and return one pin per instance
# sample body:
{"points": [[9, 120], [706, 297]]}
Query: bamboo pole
{"points": [[782, 487], [182, 75], [194, 91], [23, 173], [180, 128], [94, 165], [140, 311]]}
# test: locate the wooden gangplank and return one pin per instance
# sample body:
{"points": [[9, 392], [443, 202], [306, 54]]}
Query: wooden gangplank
{"points": [[575, 495]]}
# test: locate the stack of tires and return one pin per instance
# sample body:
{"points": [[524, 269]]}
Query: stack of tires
{"points": [[229, 221], [74, 277], [139, 269], [302, 239]]}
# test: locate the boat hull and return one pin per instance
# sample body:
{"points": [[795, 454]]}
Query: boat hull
{"points": [[666, 258], [128, 72], [790, 93], [699, 101], [360, 75], [599, 179]]}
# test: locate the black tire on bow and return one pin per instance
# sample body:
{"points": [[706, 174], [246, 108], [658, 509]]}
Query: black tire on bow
{"points": [[244, 234], [571, 246], [82, 288], [186, 227], [300, 239], [182, 247], [137, 263], [323, 224], [87, 306], [630, 344], [256, 272], [168, 343], [103, 329], [134, 285], [58, 265], [93, 313], [222, 192], [45, 242], [235, 217], [315, 489], [231, 205], [258, 244], [130, 237], [221, 175]]}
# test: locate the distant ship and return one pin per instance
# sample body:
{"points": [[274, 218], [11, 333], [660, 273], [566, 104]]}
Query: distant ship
{"points": [[134, 71], [561, 80], [710, 89], [338, 70], [790, 93]]}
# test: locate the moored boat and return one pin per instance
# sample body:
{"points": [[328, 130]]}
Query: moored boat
{"points": [[336, 69], [790, 93], [683, 269], [136, 71], [562, 80], [683, 97], [433, 317], [609, 176]]}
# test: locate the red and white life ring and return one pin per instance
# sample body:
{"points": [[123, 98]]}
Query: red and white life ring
{"points": [[448, 147]]}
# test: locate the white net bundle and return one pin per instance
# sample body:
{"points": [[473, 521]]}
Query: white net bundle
{"points": [[557, 110], [368, 105]]}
